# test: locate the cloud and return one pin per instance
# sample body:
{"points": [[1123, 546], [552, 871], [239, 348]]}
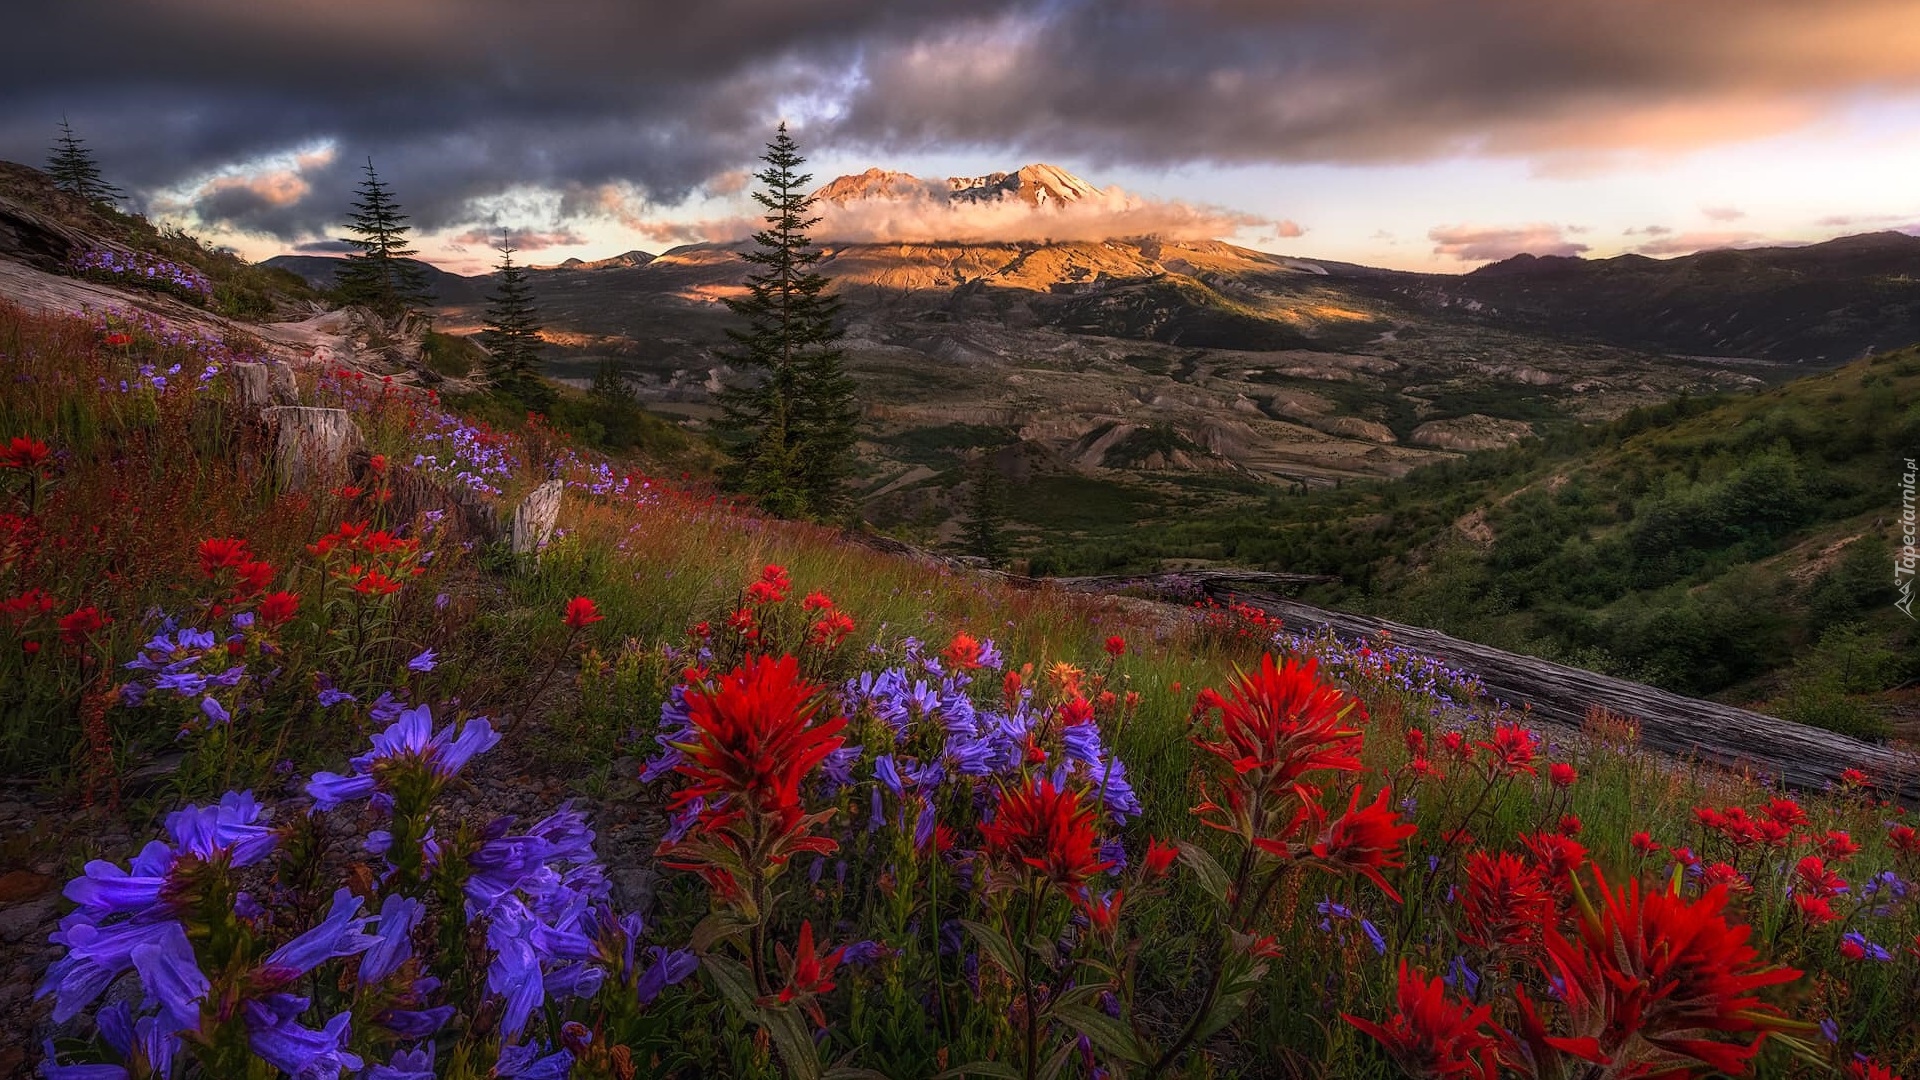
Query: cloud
{"points": [[1646, 230], [523, 239], [458, 101], [323, 247], [1482, 243], [1288, 229], [928, 215], [1687, 243], [1723, 213]]}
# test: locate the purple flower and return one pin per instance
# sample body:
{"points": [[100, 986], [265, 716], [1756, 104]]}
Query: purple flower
{"points": [[414, 1024], [330, 697], [669, 968], [515, 975], [525, 1063], [215, 711], [170, 975], [329, 790], [1868, 950], [885, 772], [339, 934], [422, 663], [298, 1050], [229, 829], [394, 942], [406, 1065]]}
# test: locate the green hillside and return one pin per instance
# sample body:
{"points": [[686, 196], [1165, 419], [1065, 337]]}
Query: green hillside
{"points": [[1738, 546]]}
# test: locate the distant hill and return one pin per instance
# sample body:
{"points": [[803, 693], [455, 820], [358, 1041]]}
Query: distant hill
{"points": [[447, 288], [1823, 304]]}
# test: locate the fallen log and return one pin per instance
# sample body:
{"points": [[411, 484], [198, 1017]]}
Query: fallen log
{"points": [[1797, 755], [1195, 581]]}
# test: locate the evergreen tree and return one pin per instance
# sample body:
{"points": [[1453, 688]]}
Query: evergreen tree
{"points": [[74, 171], [511, 334], [986, 511], [610, 387], [801, 413], [378, 274]]}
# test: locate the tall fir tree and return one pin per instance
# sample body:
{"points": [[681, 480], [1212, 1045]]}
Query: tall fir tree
{"points": [[378, 273], [74, 171], [985, 519], [511, 333], [800, 414]]}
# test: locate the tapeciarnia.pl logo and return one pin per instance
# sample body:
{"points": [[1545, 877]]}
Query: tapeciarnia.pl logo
{"points": [[1903, 563]]}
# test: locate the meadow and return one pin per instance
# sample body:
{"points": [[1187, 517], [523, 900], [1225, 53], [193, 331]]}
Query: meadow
{"points": [[902, 821]]}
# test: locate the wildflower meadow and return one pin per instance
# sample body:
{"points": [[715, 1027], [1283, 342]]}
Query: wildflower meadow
{"points": [[877, 817]]}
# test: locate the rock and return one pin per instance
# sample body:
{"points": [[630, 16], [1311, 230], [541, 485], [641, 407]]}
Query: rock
{"points": [[18, 922], [310, 444], [535, 517]]}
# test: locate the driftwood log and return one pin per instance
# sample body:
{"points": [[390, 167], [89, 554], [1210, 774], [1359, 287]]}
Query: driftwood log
{"points": [[1798, 755]]}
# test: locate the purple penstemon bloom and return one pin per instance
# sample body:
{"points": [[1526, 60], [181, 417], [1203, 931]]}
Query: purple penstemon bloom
{"points": [[394, 938], [339, 934], [298, 1050], [423, 663], [405, 1065]]}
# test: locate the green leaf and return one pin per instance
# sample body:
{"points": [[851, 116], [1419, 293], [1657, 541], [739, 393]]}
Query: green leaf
{"points": [[1052, 1066], [716, 928], [990, 940], [1111, 1037], [1232, 1001], [794, 1043], [1212, 877], [735, 984], [976, 1068]]}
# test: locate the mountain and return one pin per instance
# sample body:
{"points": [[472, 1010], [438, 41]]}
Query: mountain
{"points": [[1035, 185], [624, 260], [1821, 304]]}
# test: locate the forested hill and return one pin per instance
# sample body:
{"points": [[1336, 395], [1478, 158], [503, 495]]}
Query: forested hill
{"points": [[1738, 546]]}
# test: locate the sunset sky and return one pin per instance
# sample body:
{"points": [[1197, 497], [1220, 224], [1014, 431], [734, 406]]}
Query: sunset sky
{"points": [[1409, 133]]}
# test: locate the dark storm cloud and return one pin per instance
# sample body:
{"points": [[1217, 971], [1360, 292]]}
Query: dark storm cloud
{"points": [[462, 99]]}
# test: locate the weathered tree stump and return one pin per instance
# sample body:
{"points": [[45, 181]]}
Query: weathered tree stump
{"points": [[535, 517], [257, 387], [310, 444]]}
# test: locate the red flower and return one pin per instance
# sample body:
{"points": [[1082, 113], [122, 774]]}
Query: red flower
{"points": [[1049, 829], [77, 627], [817, 601], [1867, 1069], [1159, 858], [1904, 839], [23, 453], [1685, 856], [1855, 778], [1643, 843], [754, 739], [1570, 825], [808, 974], [35, 602], [1562, 775], [1116, 646], [1506, 901], [1785, 811], [1075, 712], [1837, 845], [221, 552], [1726, 876], [1103, 916], [962, 653], [581, 612], [1815, 909], [376, 583], [1852, 948], [771, 588], [1278, 725], [251, 576], [1433, 1036], [117, 340], [1511, 749], [278, 607], [830, 629], [377, 463], [1416, 741], [1647, 977], [1366, 840], [1556, 856], [1816, 880]]}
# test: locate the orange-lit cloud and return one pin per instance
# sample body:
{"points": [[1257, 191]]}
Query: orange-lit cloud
{"points": [[1482, 243], [1688, 242]]}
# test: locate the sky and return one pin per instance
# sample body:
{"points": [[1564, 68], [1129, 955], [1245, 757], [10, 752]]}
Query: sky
{"points": [[1417, 134]]}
